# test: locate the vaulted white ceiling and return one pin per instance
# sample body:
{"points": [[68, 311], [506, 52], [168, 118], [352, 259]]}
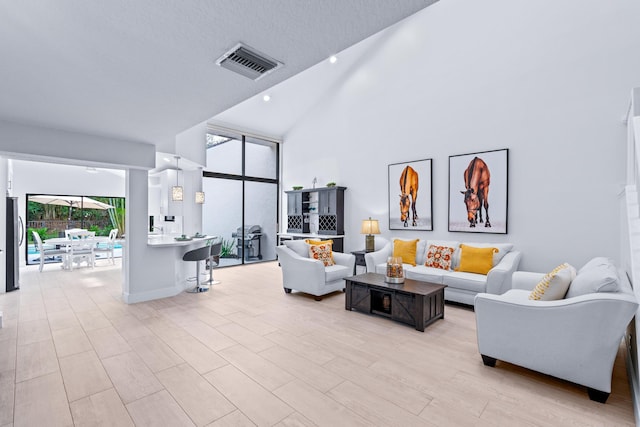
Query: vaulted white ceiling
{"points": [[144, 70]]}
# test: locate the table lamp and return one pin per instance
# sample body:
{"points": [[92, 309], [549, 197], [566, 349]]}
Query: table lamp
{"points": [[370, 227]]}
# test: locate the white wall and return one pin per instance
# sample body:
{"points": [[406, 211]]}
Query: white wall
{"points": [[548, 80]]}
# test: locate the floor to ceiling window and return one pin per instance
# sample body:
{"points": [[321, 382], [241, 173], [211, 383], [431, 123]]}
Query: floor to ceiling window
{"points": [[241, 186]]}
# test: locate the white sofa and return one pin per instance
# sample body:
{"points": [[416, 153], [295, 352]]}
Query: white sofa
{"points": [[308, 275], [575, 338], [461, 287]]}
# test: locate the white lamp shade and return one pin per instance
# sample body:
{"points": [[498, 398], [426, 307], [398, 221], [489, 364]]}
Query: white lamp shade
{"points": [[200, 197], [370, 226], [177, 193]]}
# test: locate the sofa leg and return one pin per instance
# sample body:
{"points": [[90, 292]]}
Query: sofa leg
{"points": [[488, 361], [287, 290], [317, 298], [597, 395]]}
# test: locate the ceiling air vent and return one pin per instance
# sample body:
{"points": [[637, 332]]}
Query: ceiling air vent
{"points": [[248, 62]]}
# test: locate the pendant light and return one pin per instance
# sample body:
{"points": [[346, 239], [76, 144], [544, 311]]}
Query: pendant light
{"points": [[177, 191]]}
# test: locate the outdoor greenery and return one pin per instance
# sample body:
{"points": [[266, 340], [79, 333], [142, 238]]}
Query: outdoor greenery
{"points": [[227, 250], [49, 220]]}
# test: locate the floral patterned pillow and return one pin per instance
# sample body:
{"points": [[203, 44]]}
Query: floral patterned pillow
{"points": [[322, 253], [439, 257]]}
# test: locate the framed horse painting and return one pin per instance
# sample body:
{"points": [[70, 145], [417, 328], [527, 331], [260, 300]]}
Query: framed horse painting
{"points": [[478, 184], [410, 195]]}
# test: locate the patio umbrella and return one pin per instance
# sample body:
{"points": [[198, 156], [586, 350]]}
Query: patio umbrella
{"points": [[71, 202]]}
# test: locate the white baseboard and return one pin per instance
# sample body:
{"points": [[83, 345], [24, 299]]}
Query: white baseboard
{"points": [[634, 386], [151, 295]]}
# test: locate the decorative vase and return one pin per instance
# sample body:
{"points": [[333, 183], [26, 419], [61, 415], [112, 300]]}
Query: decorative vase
{"points": [[395, 273]]}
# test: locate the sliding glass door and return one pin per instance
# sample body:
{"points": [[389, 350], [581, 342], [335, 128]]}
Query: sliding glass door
{"points": [[241, 186]]}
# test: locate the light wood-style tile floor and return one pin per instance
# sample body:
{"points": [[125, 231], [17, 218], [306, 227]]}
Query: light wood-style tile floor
{"points": [[244, 354]]}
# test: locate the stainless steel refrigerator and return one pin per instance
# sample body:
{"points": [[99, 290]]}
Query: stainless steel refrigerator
{"points": [[14, 239]]}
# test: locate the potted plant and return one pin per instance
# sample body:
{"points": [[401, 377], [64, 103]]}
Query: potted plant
{"points": [[331, 184]]}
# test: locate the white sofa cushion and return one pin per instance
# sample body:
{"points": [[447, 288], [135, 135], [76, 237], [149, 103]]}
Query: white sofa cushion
{"points": [[597, 277], [427, 274], [466, 281], [298, 246]]}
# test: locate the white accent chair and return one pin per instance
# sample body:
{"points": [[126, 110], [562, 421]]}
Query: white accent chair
{"points": [[47, 253], [81, 248], [576, 338], [308, 275], [109, 246]]}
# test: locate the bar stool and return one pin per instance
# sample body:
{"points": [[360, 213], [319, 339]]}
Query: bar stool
{"points": [[198, 255], [216, 249]]}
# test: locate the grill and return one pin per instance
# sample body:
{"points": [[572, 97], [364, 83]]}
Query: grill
{"points": [[249, 238]]}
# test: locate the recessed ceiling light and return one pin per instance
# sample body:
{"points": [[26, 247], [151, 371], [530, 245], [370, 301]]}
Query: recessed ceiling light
{"points": [[333, 59], [266, 98]]}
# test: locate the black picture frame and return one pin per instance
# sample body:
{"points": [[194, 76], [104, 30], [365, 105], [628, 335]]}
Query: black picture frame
{"points": [[420, 171], [464, 198]]}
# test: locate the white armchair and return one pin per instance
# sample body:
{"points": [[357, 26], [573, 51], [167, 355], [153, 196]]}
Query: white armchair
{"points": [[575, 338], [307, 275]]}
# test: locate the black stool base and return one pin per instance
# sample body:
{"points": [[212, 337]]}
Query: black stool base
{"points": [[197, 289]]}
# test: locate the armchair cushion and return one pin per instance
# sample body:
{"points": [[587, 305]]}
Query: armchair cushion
{"points": [[336, 272], [554, 284]]}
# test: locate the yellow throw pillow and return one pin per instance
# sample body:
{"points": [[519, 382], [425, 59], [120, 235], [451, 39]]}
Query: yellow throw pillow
{"points": [[318, 242], [406, 249], [476, 260], [322, 253], [554, 285]]}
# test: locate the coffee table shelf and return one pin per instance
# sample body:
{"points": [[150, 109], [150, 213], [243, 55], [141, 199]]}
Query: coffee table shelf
{"points": [[413, 302]]}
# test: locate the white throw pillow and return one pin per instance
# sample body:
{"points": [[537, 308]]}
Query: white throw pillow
{"points": [[596, 262], [596, 278], [298, 246], [554, 285]]}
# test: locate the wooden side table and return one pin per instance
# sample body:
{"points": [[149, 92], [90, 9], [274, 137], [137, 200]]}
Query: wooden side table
{"points": [[359, 260]]}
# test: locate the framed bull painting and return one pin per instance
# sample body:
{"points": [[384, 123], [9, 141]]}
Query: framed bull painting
{"points": [[410, 195], [478, 184]]}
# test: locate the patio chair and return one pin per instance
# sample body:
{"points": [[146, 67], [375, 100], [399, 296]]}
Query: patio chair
{"points": [[46, 253], [110, 245], [81, 248]]}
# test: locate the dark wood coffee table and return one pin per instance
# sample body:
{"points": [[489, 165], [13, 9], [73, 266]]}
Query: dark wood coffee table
{"points": [[413, 302]]}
